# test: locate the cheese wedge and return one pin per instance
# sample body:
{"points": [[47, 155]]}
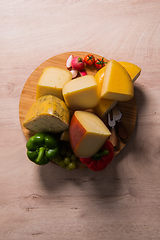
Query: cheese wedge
{"points": [[52, 81], [133, 70], [87, 133], [65, 136], [48, 114], [99, 76], [117, 84], [81, 93], [104, 105]]}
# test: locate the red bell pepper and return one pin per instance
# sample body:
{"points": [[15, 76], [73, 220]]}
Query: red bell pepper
{"points": [[100, 160]]}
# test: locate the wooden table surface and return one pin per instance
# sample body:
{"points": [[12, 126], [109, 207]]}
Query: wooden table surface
{"points": [[47, 202]]}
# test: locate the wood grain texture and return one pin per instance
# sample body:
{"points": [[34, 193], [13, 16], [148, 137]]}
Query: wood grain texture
{"points": [[28, 97], [123, 201]]}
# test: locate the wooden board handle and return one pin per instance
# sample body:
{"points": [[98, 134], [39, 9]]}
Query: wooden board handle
{"points": [[121, 131], [113, 137]]}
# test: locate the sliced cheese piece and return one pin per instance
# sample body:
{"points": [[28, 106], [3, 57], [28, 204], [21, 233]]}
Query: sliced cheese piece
{"points": [[117, 84], [65, 136], [104, 107], [48, 114], [52, 81], [81, 93], [133, 70], [87, 133]]}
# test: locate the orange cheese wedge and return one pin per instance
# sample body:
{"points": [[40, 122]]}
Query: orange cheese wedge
{"points": [[87, 133]]}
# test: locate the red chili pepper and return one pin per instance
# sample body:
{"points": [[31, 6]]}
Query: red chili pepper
{"points": [[99, 161]]}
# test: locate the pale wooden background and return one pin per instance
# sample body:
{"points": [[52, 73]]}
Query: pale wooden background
{"points": [[123, 201]]}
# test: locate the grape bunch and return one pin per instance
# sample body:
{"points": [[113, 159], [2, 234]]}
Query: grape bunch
{"points": [[66, 157]]}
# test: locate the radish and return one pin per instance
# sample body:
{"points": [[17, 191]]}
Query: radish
{"points": [[77, 63], [82, 72]]}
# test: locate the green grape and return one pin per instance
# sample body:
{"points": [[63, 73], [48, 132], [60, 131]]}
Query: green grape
{"points": [[66, 160], [57, 158], [72, 165], [62, 164], [63, 150], [67, 157], [73, 157], [74, 162], [68, 168], [68, 153]]}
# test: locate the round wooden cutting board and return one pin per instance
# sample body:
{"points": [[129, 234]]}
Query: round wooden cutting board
{"points": [[28, 97]]}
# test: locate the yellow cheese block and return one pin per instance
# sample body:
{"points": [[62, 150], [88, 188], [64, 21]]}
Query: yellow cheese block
{"points": [[117, 84], [52, 81], [87, 133], [133, 70], [48, 114], [81, 93]]}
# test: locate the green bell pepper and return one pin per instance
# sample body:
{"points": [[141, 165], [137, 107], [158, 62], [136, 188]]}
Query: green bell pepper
{"points": [[42, 147]]}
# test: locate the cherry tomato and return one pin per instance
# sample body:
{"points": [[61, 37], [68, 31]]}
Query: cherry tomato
{"points": [[99, 63], [89, 59]]}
